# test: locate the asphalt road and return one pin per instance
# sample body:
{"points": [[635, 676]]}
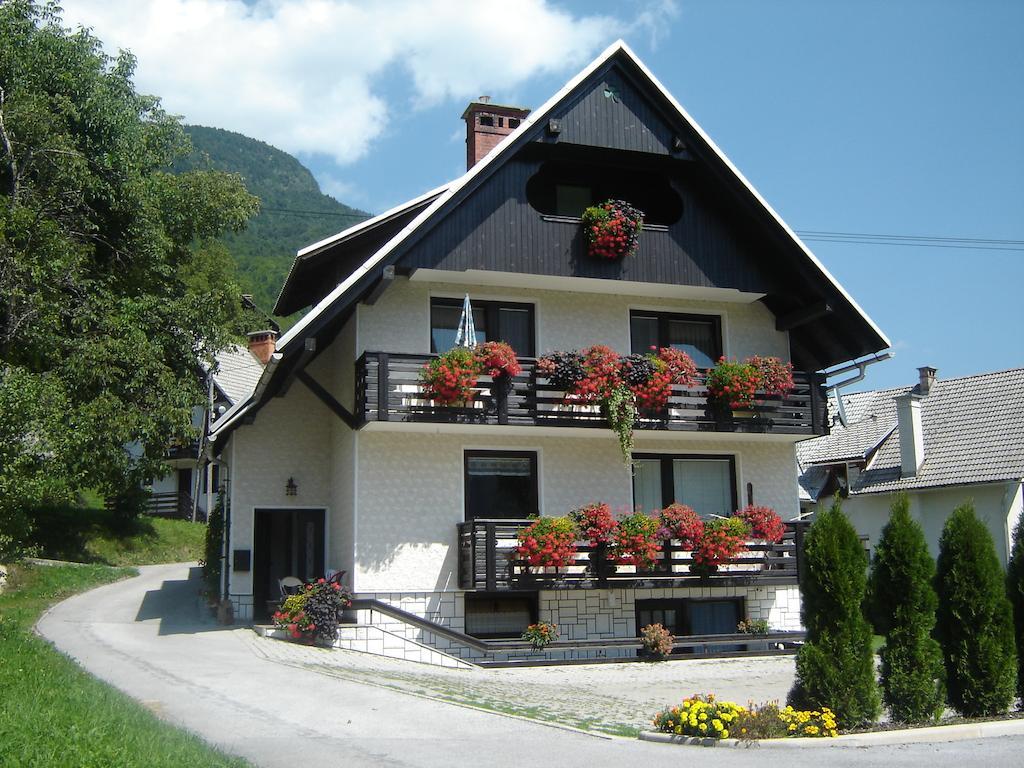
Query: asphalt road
{"points": [[147, 637]]}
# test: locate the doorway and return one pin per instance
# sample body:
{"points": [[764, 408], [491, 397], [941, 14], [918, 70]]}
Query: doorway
{"points": [[286, 542]]}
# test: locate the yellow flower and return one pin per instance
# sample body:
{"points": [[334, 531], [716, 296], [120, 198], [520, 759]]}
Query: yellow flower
{"points": [[725, 734], [703, 727]]}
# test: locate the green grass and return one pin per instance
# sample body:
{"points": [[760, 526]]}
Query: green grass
{"points": [[53, 713], [92, 535]]}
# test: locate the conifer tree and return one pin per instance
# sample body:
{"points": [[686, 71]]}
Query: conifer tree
{"points": [[1015, 591], [975, 624], [903, 604], [835, 666]]}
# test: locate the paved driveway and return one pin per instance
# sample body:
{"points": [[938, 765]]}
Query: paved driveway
{"points": [[146, 637]]}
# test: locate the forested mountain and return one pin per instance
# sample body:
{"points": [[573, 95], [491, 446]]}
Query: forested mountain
{"points": [[293, 213]]}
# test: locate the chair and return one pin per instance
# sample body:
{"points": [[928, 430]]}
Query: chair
{"points": [[290, 585]]}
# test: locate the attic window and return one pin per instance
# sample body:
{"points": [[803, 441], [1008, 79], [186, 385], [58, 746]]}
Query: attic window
{"points": [[487, 120], [565, 189]]}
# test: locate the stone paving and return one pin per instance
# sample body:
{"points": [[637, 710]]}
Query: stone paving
{"points": [[617, 699]]}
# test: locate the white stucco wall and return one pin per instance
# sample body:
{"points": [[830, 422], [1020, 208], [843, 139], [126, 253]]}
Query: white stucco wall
{"points": [[289, 438], [400, 320], [410, 493], [998, 505]]}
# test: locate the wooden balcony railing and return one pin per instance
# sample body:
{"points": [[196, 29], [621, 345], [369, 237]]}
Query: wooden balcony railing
{"points": [[488, 562], [388, 389]]}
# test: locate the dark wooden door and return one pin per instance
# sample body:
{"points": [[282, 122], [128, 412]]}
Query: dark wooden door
{"points": [[286, 542]]}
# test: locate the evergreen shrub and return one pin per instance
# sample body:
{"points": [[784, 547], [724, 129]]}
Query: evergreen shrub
{"points": [[835, 666], [1015, 591], [975, 625]]}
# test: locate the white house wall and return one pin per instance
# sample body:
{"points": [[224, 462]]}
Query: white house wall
{"points": [[993, 503], [400, 319], [410, 494]]}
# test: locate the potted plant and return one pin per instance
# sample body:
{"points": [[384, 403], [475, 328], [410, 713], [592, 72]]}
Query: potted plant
{"points": [[548, 542], [612, 229], [498, 360], [774, 376], [596, 524], [450, 378], [732, 385], [311, 616], [764, 523], [650, 377], [539, 635], [636, 541], [678, 521], [657, 642], [724, 538]]}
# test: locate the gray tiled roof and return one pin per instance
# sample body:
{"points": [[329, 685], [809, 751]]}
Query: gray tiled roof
{"points": [[973, 433], [237, 373]]}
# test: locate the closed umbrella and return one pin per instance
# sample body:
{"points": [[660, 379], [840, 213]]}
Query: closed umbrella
{"points": [[465, 336]]}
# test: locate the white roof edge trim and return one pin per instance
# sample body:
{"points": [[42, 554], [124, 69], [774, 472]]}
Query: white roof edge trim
{"points": [[356, 228], [807, 251]]}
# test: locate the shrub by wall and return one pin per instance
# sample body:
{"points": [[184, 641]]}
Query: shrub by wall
{"points": [[974, 623], [902, 607], [835, 666], [1015, 591]]}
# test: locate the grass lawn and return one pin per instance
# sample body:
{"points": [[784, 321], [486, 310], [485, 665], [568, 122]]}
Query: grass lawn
{"points": [[90, 534], [53, 713]]}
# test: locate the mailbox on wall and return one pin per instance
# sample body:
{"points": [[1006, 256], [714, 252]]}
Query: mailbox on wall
{"points": [[241, 560]]}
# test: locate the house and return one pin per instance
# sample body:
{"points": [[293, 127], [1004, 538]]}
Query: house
{"points": [[337, 461], [941, 441], [185, 491]]}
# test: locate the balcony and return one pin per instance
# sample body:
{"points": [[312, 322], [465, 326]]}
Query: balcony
{"points": [[488, 562], [388, 390]]}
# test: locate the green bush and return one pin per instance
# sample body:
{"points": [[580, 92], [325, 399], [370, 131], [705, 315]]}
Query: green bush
{"points": [[1015, 591], [15, 533], [975, 626], [903, 603], [212, 555], [835, 666]]}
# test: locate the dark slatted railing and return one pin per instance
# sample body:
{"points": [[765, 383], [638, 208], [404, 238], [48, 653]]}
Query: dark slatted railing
{"points": [[488, 561], [388, 389]]}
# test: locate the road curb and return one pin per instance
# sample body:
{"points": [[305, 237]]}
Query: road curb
{"points": [[932, 734]]}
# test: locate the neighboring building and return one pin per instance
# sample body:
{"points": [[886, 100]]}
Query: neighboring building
{"points": [[186, 489], [337, 461], [942, 441]]}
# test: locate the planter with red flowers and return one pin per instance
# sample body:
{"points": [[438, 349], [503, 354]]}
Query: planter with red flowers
{"points": [[548, 542], [498, 360], [612, 229], [724, 538], [737, 386], [451, 377], [596, 523], [651, 376], [311, 616], [636, 541], [680, 523], [764, 523]]}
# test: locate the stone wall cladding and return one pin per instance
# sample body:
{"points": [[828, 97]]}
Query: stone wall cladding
{"points": [[400, 319]]}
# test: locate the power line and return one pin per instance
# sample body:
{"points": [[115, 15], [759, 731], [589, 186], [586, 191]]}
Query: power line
{"points": [[911, 237]]}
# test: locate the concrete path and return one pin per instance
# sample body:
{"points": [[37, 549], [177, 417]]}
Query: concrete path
{"points": [[147, 637]]}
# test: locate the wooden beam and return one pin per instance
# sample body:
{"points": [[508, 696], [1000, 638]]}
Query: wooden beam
{"points": [[327, 399], [305, 356], [387, 276], [802, 316]]}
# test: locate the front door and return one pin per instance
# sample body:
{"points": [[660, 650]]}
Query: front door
{"points": [[286, 542]]}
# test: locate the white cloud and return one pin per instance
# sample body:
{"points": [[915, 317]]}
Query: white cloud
{"points": [[307, 75]]}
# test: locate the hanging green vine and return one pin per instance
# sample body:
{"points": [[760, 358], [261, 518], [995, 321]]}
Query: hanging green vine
{"points": [[620, 410]]}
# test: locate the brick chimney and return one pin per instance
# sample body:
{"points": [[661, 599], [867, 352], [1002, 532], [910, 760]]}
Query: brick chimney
{"points": [[262, 345], [486, 125]]}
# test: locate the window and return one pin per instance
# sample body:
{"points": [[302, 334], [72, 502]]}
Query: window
{"points": [[572, 199], [501, 485], [499, 616], [684, 617], [706, 483], [700, 336], [494, 321]]}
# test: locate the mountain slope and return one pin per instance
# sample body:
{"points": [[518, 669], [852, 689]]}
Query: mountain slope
{"points": [[294, 212]]}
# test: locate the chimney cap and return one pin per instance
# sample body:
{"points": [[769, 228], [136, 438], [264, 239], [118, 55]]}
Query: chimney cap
{"points": [[926, 378], [495, 109], [253, 335]]}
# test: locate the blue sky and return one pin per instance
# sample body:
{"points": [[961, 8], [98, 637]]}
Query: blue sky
{"points": [[899, 118]]}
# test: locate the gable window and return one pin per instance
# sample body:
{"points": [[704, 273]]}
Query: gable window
{"points": [[706, 483], [699, 336], [494, 321], [501, 485]]}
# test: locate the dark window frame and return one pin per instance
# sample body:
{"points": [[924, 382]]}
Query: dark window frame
{"points": [[482, 453], [532, 599], [681, 605], [668, 485], [491, 309], [663, 319]]}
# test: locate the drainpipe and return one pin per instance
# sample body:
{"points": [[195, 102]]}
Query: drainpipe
{"points": [[861, 367]]}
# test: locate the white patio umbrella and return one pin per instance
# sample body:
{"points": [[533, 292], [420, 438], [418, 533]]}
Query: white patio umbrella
{"points": [[465, 336]]}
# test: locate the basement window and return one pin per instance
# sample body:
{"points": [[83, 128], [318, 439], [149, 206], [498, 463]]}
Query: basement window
{"points": [[490, 616]]}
